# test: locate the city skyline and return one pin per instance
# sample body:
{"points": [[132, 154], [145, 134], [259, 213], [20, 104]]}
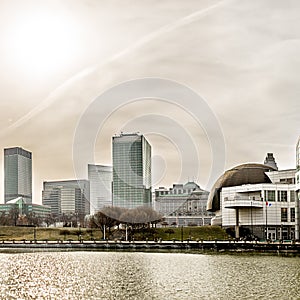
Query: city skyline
{"points": [[240, 57]]}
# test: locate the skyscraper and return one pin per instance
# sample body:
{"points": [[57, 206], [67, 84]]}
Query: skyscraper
{"points": [[131, 170], [17, 174], [100, 178]]}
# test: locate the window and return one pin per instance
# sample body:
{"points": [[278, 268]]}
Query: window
{"points": [[292, 196], [270, 195], [287, 180], [284, 214], [292, 214], [282, 196]]}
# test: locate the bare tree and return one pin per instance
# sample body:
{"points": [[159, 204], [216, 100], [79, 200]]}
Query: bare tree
{"points": [[104, 220], [139, 217], [14, 215]]}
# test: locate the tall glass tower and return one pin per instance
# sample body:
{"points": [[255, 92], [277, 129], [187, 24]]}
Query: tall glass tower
{"points": [[131, 170], [17, 174], [100, 178]]}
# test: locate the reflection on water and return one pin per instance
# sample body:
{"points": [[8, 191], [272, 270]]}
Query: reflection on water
{"points": [[122, 275]]}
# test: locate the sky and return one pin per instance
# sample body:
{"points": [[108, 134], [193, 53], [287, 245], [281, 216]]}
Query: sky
{"points": [[74, 73]]}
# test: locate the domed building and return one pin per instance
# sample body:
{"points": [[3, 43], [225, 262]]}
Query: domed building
{"points": [[255, 200], [250, 173]]}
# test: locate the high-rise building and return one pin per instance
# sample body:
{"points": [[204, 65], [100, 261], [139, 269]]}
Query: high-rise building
{"points": [[100, 178], [17, 174], [131, 170], [67, 197]]}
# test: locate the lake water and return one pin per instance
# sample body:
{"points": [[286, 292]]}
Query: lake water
{"points": [[140, 275]]}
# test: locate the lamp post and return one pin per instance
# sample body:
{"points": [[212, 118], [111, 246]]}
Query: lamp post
{"points": [[267, 219], [34, 232], [181, 233], [251, 221]]}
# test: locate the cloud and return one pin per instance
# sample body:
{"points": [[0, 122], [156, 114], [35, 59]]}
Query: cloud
{"points": [[242, 57]]}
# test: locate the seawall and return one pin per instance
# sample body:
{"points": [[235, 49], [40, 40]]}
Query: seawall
{"points": [[216, 246]]}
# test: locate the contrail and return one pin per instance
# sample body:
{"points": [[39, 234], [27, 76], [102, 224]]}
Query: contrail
{"points": [[143, 41]]}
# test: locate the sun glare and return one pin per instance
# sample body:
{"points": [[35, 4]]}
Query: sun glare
{"points": [[42, 43]]}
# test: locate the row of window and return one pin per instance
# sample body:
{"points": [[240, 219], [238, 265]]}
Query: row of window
{"points": [[282, 196], [173, 192], [284, 214]]}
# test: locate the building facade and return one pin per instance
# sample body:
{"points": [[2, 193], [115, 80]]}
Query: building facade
{"points": [[100, 178], [67, 197], [260, 210], [297, 188], [131, 155], [17, 174], [183, 205], [19, 212], [256, 201]]}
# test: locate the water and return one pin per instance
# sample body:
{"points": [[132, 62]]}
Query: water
{"points": [[134, 275]]}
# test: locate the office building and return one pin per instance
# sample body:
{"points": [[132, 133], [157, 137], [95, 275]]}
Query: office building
{"points": [[100, 178], [67, 197], [131, 170], [17, 174]]}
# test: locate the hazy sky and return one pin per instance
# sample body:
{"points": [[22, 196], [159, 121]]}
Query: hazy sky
{"points": [[241, 57]]}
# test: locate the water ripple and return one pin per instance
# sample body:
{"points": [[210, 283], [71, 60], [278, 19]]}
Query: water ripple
{"points": [[121, 275]]}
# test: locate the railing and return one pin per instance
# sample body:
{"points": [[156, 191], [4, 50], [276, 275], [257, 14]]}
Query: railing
{"points": [[243, 203]]}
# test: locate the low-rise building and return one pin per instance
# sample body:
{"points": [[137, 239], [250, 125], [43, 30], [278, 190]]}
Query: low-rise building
{"points": [[256, 200], [20, 212], [183, 205]]}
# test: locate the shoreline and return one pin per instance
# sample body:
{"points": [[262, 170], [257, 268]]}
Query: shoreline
{"points": [[217, 246]]}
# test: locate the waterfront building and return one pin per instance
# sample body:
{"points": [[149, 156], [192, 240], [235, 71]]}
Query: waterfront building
{"points": [[68, 197], [131, 155], [20, 211], [17, 174], [255, 200], [297, 179], [100, 178], [183, 205]]}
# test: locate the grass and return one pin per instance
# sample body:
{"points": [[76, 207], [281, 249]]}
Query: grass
{"points": [[192, 233], [18, 233], [169, 233]]}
